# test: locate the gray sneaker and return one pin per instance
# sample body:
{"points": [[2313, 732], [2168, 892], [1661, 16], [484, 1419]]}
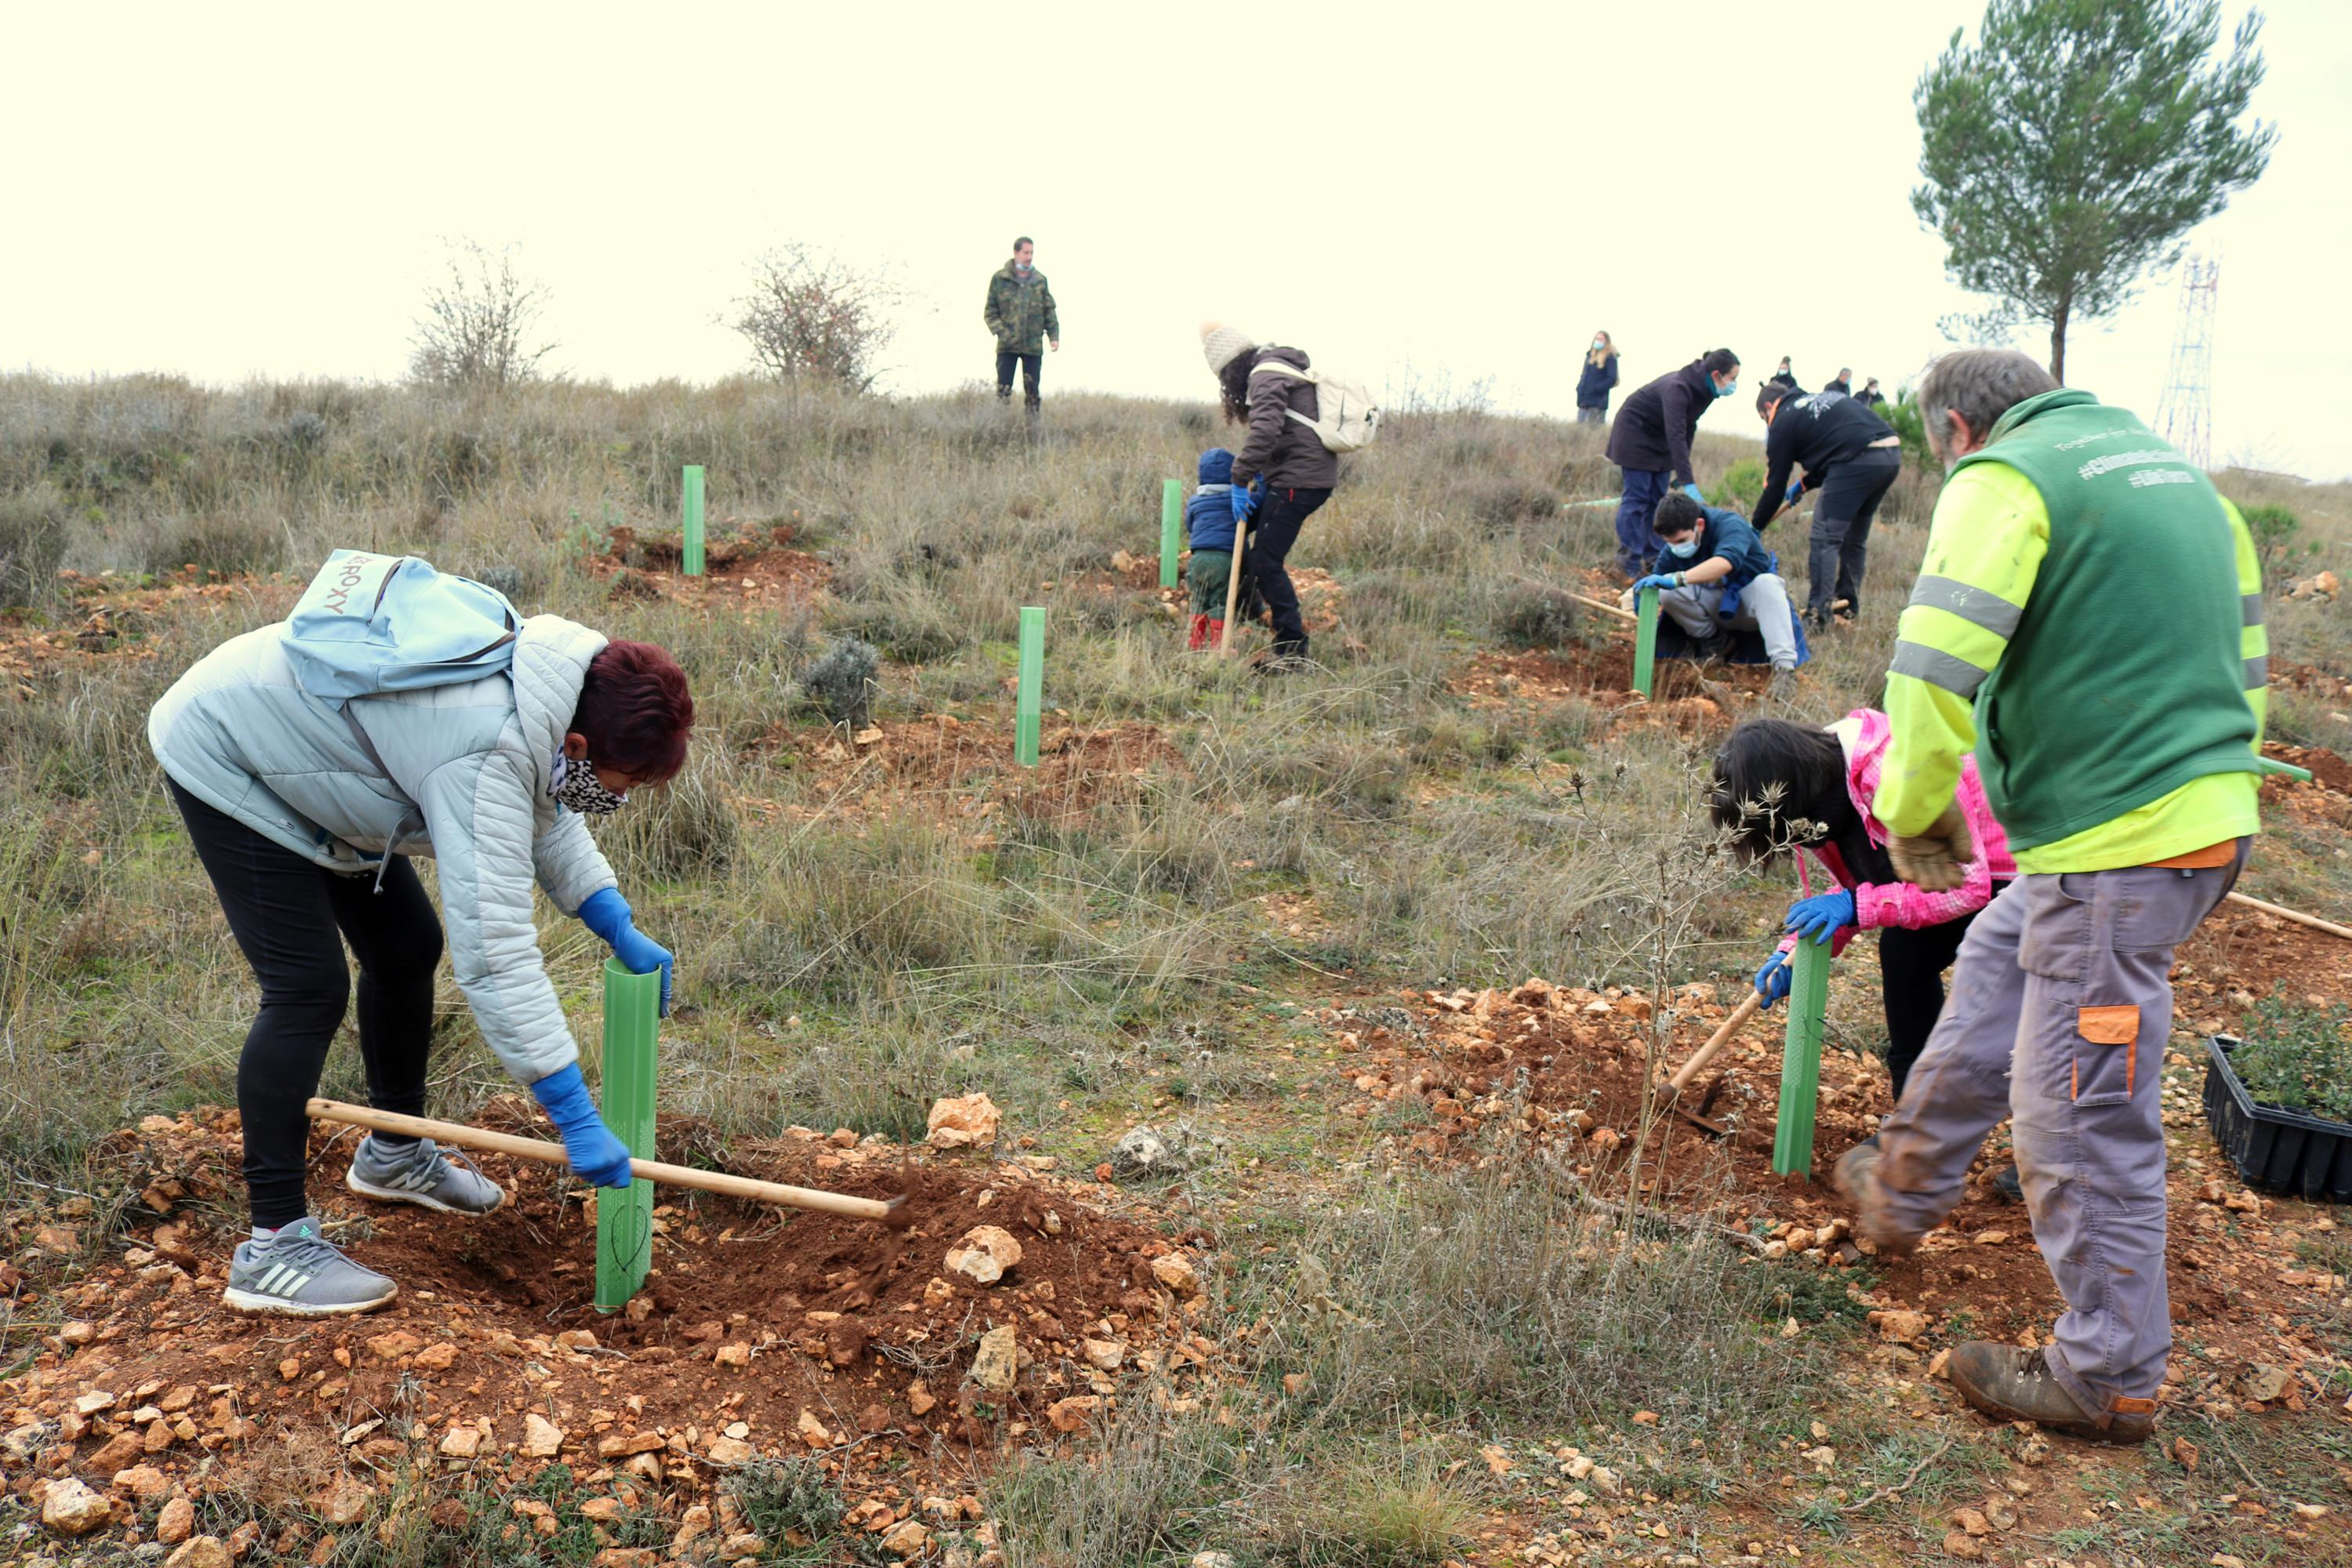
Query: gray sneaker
{"points": [[423, 1174], [298, 1273]]}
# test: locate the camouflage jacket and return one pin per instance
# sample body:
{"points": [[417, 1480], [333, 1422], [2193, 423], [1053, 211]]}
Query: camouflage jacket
{"points": [[1021, 314]]}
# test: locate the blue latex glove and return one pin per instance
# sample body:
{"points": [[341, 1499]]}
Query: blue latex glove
{"points": [[1772, 980], [1821, 917], [1795, 488], [607, 914], [1660, 581], [588, 1143], [1692, 491], [1244, 502]]}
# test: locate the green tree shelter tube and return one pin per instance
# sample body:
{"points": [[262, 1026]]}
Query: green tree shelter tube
{"points": [[624, 1217], [690, 553], [1646, 641], [1032, 686], [1171, 529], [1801, 1060]]}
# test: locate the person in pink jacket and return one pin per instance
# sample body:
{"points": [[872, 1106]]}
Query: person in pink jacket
{"points": [[1781, 787]]}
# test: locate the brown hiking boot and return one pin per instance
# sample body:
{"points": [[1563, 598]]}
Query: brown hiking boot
{"points": [[2009, 1384], [1856, 1175]]}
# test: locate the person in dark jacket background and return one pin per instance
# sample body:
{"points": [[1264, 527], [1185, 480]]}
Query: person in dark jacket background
{"points": [[1283, 471], [1844, 383], [1851, 456], [1784, 377], [1870, 396], [1021, 313], [1650, 444], [1210, 528], [1598, 380]]}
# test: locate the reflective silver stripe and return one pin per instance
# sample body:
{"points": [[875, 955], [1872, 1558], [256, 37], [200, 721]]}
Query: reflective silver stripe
{"points": [[2258, 673], [2249, 609], [1971, 603], [1920, 662]]}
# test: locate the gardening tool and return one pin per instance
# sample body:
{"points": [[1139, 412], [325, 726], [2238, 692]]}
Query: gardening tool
{"points": [[888, 1212], [2297, 916], [1603, 605], [1698, 1060], [1234, 589]]}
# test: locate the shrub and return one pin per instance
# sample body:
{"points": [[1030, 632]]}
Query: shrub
{"points": [[476, 331], [214, 543], [1531, 616], [781, 1496], [1371, 1514], [32, 543], [815, 318], [2277, 538], [841, 681], [2297, 1056], [1740, 485]]}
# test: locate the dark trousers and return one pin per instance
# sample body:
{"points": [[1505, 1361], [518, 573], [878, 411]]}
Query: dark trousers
{"points": [[1911, 965], [1851, 492], [1280, 515], [1637, 541], [292, 916], [1032, 367]]}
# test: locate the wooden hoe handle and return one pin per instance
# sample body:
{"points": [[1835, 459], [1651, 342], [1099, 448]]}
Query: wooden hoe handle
{"points": [[545, 1153], [1706, 1053]]}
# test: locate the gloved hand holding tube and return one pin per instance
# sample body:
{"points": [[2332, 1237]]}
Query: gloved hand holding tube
{"points": [[606, 914], [595, 1154]]}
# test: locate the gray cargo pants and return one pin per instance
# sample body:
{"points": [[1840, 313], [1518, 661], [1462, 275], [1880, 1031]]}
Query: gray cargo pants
{"points": [[2062, 1003], [1763, 608]]}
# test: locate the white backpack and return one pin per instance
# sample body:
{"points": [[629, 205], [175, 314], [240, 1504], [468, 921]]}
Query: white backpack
{"points": [[1349, 417]]}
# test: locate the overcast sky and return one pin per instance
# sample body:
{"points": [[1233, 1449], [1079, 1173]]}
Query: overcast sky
{"points": [[1443, 193]]}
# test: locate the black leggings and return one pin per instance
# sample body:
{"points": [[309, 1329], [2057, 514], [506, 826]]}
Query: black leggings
{"points": [[1281, 514], [1911, 965], [286, 914], [1851, 492]]}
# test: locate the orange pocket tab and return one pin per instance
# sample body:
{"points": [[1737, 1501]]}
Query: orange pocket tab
{"points": [[2108, 1026]]}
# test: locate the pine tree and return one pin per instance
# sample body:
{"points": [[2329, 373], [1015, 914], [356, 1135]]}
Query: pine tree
{"points": [[2073, 146]]}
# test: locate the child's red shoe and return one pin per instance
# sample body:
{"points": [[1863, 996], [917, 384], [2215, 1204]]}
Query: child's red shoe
{"points": [[1194, 643], [1216, 636]]}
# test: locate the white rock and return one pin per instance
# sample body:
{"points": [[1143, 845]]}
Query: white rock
{"points": [[985, 1252]]}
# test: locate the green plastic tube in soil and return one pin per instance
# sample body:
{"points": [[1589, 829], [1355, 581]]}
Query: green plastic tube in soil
{"points": [[1801, 1060], [1646, 641], [1171, 529], [625, 1215], [1033, 680], [690, 553]]}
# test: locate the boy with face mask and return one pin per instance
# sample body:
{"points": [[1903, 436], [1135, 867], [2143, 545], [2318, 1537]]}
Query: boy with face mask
{"points": [[1714, 580]]}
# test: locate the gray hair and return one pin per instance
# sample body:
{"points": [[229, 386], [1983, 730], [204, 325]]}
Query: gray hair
{"points": [[1980, 386]]}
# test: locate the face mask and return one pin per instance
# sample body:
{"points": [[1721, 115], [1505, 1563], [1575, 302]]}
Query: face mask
{"points": [[575, 784], [1724, 391], [1683, 550], [1597, 344]]}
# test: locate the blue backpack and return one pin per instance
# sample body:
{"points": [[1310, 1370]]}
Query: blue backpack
{"points": [[371, 623]]}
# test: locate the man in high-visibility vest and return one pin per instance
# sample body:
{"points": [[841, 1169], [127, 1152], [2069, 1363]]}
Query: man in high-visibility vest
{"points": [[2088, 621]]}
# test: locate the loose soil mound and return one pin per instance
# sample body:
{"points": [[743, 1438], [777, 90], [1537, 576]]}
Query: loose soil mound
{"points": [[1566, 1068], [105, 617], [760, 1331], [750, 569], [968, 770]]}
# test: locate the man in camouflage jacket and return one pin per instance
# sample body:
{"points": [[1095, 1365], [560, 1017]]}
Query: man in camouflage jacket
{"points": [[1021, 313]]}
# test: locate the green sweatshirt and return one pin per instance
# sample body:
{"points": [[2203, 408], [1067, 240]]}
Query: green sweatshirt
{"points": [[2088, 619]]}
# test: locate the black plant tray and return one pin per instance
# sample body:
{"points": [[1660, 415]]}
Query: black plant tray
{"points": [[2279, 1150]]}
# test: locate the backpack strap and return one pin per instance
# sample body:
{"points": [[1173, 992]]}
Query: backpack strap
{"points": [[1305, 374]]}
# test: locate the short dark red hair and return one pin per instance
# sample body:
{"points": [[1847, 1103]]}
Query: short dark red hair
{"points": [[635, 711]]}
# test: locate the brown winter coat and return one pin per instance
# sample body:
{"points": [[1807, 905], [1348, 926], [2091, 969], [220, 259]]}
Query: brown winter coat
{"points": [[1289, 454]]}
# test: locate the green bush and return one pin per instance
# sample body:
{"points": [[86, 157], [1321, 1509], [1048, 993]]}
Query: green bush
{"points": [[32, 543], [1740, 485], [2278, 538], [1536, 617], [2296, 1056], [1902, 417]]}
